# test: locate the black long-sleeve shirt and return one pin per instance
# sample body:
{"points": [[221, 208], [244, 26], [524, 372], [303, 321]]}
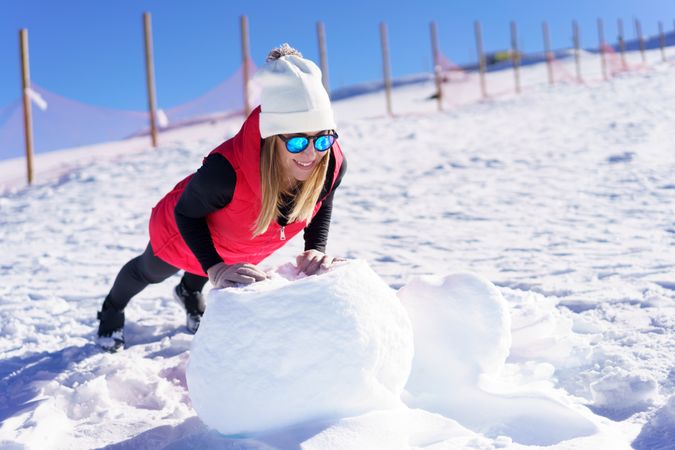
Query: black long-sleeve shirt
{"points": [[212, 187]]}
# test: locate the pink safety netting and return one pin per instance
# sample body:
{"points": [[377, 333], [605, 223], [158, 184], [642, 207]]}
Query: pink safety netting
{"points": [[463, 85], [66, 123]]}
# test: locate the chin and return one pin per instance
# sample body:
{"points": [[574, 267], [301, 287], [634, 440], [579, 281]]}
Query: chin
{"points": [[301, 177]]}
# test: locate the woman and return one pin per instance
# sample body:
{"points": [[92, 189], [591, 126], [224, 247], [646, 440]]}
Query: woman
{"points": [[253, 193]]}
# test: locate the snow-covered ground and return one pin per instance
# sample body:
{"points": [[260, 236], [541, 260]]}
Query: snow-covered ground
{"points": [[563, 197]]}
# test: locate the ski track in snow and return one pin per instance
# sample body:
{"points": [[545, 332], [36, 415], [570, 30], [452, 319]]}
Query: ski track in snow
{"points": [[563, 197]]}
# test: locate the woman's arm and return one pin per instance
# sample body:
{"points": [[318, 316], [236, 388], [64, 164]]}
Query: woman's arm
{"points": [[210, 189], [316, 233]]}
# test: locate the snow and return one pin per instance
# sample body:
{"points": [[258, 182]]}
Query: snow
{"points": [[659, 432], [560, 200], [283, 352], [462, 332]]}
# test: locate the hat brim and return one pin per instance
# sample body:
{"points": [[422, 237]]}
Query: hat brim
{"points": [[295, 122]]}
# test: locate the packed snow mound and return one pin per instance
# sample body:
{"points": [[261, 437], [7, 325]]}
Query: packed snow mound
{"points": [[462, 329], [395, 429], [282, 351]]}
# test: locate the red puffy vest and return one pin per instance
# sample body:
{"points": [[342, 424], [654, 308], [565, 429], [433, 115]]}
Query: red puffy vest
{"points": [[231, 227]]}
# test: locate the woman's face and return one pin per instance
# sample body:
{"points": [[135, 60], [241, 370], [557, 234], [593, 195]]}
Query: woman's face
{"points": [[299, 166]]}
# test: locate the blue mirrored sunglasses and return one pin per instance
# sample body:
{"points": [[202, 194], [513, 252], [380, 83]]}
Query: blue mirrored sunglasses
{"points": [[297, 144]]}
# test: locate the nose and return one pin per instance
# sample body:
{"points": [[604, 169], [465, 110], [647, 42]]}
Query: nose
{"points": [[308, 154]]}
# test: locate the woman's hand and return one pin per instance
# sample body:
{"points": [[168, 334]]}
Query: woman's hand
{"points": [[311, 261], [223, 275]]}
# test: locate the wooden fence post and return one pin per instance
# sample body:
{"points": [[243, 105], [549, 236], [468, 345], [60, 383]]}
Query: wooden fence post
{"points": [[638, 33], [323, 59], [150, 77], [662, 42], [577, 44], [548, 52], [601, 42], [437, 64], [243, 24], [481, 58], [515, 56], [27, 116], [622, 45], [386, 69]]}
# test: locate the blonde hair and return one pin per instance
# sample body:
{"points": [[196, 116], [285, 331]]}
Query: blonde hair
{"points": [[271, 180]]}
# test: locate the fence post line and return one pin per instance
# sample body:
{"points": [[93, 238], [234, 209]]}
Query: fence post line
{"points": [[638, 33], [515, 56], [547, 50], [150, 77], [622, 45], [437, 64], [27, 116], [323, 59], [662, 42], [386, 69], [481, 58], [577, 44], [601, 42], [245, 58]]}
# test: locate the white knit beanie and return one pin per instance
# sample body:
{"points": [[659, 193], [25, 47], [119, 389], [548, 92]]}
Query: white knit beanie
{"points": [[293, 99]]}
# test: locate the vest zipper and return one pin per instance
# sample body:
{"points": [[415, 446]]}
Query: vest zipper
{"points": [[282, 234]]}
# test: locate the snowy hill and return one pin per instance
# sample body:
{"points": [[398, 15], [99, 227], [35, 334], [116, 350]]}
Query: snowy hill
{"points": [[562, 197]]}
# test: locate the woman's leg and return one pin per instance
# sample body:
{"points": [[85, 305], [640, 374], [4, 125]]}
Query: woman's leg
{"points": [[193, 282], [135, 276], [189, 292], [132, 279]]}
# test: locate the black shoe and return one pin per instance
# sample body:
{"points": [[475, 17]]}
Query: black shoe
{"points": [[110, 335], [194, 305]]}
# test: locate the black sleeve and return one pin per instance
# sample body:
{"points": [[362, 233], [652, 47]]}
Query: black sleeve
{"points": [[316, 233], [210, 189]]}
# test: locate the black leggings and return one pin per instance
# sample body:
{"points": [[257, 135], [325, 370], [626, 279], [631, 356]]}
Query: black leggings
{"points": [[143, 270]]}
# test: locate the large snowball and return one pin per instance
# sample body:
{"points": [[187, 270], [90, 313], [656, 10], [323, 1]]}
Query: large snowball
{"points": [[281, 352]]}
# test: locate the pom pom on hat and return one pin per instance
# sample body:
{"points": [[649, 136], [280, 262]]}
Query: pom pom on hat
{"points": [[293, 99]]}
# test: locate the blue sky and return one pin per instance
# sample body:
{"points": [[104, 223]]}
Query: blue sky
{"points": [[92, 51]]}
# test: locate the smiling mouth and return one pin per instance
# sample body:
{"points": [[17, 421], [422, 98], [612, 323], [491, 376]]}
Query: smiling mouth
{"points": [[306, 165]]}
